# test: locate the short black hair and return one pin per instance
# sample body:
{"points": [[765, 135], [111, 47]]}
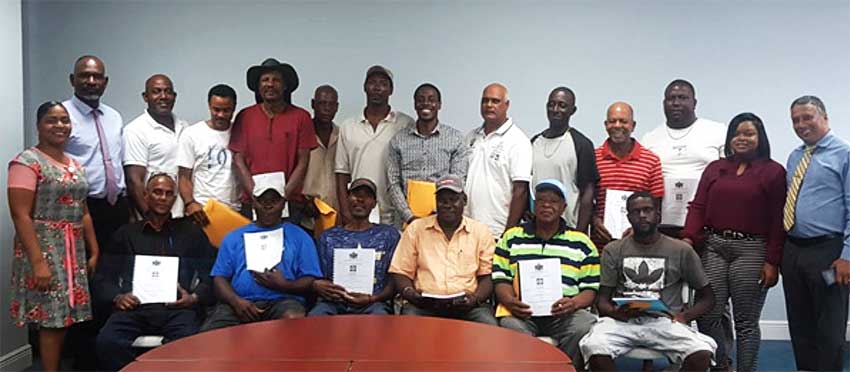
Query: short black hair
{"points": [[763, 149], [810, 100], [681, 82], [428, 85], [44, 108], [222, 90], [643, 194], [565, 90]]}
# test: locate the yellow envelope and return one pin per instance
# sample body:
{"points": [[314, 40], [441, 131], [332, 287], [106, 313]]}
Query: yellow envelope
{"points": [[326, 219], [420, 197], [501, 310], [223, 220]]}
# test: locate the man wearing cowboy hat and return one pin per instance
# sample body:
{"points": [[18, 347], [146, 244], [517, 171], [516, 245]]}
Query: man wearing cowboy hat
{"points": [[273, 135]]}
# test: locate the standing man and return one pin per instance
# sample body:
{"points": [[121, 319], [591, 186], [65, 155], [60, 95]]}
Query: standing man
{"points": [[273, 135], [321, 179], [425, 151], [364, 142], [204, 160], [150, 142], [156, 235], [816, 259], [358, 232], [568, 158], [446, 254], [95, 142], [623, 165], [499, 165], [685, 145], [548, 236]]}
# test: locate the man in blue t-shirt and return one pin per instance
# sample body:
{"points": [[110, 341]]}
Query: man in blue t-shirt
{"points": [[251, 295], [358, 232]]}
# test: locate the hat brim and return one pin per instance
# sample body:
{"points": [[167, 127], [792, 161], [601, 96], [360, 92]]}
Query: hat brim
{"points": [[290, 77]]}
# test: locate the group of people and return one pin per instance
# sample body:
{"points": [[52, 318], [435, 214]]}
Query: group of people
{"points": [[703, 203]]}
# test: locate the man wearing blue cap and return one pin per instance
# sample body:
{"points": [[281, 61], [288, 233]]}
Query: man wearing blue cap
{"points": [[546, 238]]}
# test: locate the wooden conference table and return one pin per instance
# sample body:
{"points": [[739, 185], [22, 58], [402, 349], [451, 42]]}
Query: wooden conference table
{"points": [[356, 343]]}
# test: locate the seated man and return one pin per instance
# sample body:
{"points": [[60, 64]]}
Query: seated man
{"points": [[549, 237], [446, 254], [357, 232], [248, 296], [649, 265], [156, 235]]}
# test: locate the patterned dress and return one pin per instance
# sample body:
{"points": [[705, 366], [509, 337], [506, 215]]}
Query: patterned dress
{"points": [[58, 221]]}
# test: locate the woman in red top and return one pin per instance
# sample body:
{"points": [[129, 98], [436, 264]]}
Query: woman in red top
{"points": [[737, 215]]}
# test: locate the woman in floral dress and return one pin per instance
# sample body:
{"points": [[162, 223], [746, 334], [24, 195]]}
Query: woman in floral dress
{"points": [[47, 200]]}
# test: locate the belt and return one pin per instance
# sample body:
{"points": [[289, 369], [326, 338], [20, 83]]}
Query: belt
{"points": [[734, 235], [805, 242]]}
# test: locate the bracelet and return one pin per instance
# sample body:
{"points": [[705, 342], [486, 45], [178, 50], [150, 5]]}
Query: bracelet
{"points": [[186, 204]]}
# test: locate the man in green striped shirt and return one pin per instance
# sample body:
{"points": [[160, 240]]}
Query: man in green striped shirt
{"points": [[533, 243]]}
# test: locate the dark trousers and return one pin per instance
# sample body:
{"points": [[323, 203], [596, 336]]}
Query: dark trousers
{"points": [[817, 313], [80, 340], [114, 342]]}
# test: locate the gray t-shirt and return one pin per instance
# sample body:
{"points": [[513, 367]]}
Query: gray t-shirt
{"points": [[654, 271]]}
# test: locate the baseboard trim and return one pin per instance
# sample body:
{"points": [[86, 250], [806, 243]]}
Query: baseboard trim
{"points": [[778, 330], [17, 360]]}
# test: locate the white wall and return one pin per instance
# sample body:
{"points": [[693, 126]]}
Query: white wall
{"points": [[14, 349], [741, 55]]}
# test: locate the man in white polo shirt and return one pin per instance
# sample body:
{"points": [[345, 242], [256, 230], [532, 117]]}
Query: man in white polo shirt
{"points": [[499, 165], [150, 142], [685, 145], [364, 141]]}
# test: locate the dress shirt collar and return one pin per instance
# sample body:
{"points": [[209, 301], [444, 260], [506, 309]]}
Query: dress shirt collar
{"points": [[632, 155], [433, 224], [151, 225], [823, 142], [391, 117], [413, 129], [83, 107]]}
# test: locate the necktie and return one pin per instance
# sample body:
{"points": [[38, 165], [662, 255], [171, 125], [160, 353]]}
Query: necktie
{"points": [[111, 182], [794, 188]]}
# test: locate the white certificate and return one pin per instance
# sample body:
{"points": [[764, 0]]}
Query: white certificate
{"points": [[263, 250], [678, 192], [540, 284], [354, 269], [155, 278], [615, 218]]}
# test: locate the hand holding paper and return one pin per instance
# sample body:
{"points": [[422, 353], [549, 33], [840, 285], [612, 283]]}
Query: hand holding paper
{"points": [[155, 278], [354, 269]]}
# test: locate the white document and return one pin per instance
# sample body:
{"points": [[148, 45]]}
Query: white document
{"points": [[615, 219], [540, 284], [155, 278], [263, 250], [678, 192], [354, 269]]}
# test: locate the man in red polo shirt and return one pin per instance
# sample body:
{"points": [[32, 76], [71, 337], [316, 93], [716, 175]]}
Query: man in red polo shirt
{"points": [[623, 165], [273, 135]]}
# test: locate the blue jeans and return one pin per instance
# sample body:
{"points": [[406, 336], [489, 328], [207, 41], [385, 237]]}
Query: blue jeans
{"points": [[324, 308]]}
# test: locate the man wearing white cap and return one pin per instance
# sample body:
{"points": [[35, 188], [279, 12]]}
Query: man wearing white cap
{"points": [[252, 286], [364, 141]]}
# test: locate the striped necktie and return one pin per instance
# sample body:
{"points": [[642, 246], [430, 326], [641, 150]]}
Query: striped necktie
{"points": [[794, 188]]}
